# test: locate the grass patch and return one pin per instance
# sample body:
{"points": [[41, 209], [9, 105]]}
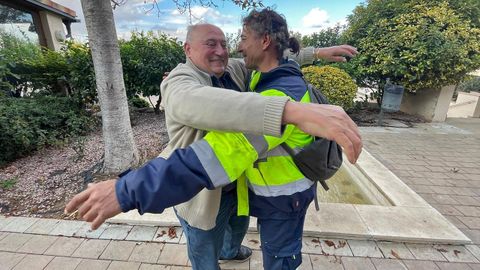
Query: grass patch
{"points": [[8, 183]]}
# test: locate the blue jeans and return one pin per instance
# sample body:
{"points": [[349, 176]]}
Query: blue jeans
{"points": [[205, 247]]}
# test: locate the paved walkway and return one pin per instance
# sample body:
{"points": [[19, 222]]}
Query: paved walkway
{"points": [[439, 161]]}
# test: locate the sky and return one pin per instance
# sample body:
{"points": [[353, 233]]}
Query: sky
{"points": [[305, 16]]}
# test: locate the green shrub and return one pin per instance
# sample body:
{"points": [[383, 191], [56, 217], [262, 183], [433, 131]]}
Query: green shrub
{"points": [[418, 44], [145, 58], [471, 83], [81, 74], [335, 84], [138, 102], [28, 124]]}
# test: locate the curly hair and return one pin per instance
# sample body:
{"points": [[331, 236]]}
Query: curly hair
{"points": [[267, 21]]}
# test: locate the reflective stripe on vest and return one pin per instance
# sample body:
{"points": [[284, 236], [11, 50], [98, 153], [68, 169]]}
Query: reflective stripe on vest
{"points": [[225, 156], [281, 190]]}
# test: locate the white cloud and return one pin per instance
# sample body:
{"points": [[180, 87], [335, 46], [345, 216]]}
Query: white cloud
{"points": [[138, 15], [315, 18]]}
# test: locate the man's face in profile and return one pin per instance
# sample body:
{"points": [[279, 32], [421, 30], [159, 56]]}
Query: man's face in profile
{"points": [[207, 49]]}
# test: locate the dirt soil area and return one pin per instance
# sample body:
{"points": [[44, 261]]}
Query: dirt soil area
{"points": [[43, 182], [368, 117]]}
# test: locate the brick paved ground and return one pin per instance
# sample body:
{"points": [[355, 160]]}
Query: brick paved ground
{"points": [[442, 168]]}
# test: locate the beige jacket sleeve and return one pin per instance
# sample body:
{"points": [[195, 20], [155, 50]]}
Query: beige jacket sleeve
{"points": [[187, 100]]}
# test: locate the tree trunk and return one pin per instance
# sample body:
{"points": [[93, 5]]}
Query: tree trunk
{"points": [[120, 150]]}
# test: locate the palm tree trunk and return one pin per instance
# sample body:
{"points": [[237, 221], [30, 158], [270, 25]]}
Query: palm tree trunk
{"points": [[120, 150]]}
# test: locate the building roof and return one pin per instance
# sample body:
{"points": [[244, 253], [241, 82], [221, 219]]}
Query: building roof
{"points": [[64, 12]]}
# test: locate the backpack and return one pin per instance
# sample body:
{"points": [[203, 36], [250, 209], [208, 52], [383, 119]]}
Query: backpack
{"points": [[321, 159]]}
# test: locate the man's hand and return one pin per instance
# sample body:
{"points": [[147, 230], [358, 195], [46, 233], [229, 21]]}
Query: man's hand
{"points": [[326, 121], [336, 53], [96, 204]]}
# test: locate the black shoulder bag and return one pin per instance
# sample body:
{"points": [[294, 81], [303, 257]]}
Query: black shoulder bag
{"points": [[321, 159]]}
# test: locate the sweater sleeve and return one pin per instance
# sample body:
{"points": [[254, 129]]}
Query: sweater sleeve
{"points": [[306, 56], [162, 183], [189, 102]]}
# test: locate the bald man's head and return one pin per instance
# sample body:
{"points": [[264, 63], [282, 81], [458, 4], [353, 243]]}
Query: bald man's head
{"points": [[206, 47]]}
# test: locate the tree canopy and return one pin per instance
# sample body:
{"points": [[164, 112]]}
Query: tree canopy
{"points": [[417, 43]]}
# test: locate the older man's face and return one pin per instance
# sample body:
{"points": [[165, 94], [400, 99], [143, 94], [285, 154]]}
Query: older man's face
{"points": [[207, 49]]}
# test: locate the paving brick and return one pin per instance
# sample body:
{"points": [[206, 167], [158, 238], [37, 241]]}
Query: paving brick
{"points": [[395, 250], [3, 235], [455, 221], [325, 262], [388, 264], [116, 265], [33, 262], [354, 263], [88, 264], [86, 231], [453, 266], [230, 265], [444, 199], [442, 190], [38, 244], [142, 233], [67, 227], [463, 191], [256, 260], [309, 245], [116, 232], [467, 200], [146, 266], [63, 263], [43, 226], [163, 236], [14, 241], [91, 248], [118, 250], [425, 252], [183, 239], [173, 267], [423, 189], [474, 266], [173, 254], [456, 253], [64, 246], [474, 235], [361, 248], [146, 252], [471, 222], [251, 240], [420, 265], [335, 247], [306, 263], [474, 249], [9, 260], [447, 209], [4, 221], [473, 211], [19, 224]]}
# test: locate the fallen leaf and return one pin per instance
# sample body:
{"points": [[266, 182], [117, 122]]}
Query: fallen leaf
{"points": [[253, 241], [456, 252], [341, 244], [329, 243], [442, 250], [162, 233], [315, 240], [395, 254], [172, 232]]}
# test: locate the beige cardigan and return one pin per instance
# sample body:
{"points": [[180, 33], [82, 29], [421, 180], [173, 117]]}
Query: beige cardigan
{"points": [[192, 106]]}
